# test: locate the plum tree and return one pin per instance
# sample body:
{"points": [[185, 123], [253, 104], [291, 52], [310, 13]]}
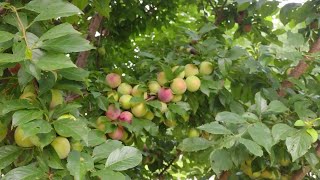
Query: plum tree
{"points": [[165, 95], [125, 101], [113, 80], [191, 70], [193, 83], [62, 146], [126, 116], [124, 89], [117, 134], [139, 110], [178, 86], [206, 68], [113, 112]]}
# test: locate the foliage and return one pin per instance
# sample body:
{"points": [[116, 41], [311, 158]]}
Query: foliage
{"points": [[60, 121]]}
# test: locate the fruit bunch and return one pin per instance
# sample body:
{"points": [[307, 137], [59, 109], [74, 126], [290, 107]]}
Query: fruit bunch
{"points": [[125, 109]]}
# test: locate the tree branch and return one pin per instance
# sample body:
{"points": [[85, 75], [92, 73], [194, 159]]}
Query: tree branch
{"points": [[300, 174], [93, 27], [224, 176], [299, 69], [170, 163]]}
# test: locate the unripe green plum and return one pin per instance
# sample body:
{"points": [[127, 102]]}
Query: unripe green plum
{"points": [[193, 83], [117, 134], [77, 146], [56, 98], [161, 78], [67, 116], [124, 88], [62, 146], [113, 80], [125, 101], [165, 95], [126, 116], [191, 70], [178, 86], [30, 96], [170, 123], [164, 107], [114, 95], [139, 110], [176, 98], [154, 87], [206, 68], [35, 140], [113, 112], [20, 139], [181, 74], [149, 115], [137, 91], [193, 133], [102, 51]]}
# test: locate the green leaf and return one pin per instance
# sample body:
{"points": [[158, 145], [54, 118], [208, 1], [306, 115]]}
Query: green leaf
{"points": [[261, 134], [25, 173], [5, 36], [17, 104], [76, 74], [72, 128], [52, 159], [295, 39], [8, 154], [124, 158], [194, 144], [104, 150], [50, 62], [252, 147], [79, 164], [287, 11], [138, 125], [96, 137], [277, 107], [282, 131], [107, 174], [34, 127], [44, 138], [261, 103], [9, 58], [313, 133], [299, 123], [102, 7], [52, 9], [229, 117], [215, 128], [67, 44], [58, 31], [298, 144], [24, 116], [155, 104], [236, 52], [221, 160]]}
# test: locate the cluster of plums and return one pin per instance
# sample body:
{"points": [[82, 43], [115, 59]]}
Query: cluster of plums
{"points": [[164, 90]]}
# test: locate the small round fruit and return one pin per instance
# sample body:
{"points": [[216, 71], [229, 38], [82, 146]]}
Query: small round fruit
{"points": [[191, 70], [164, 107], [206, 68], [126, 116], [161, 78], [117, 134], [149, 115], [20, 138], [77, 146], [154, 87], [139, 110], [193, 83], [170, 123], [193, 133], [178, 86], [181, 74], [102, 51], [125, 101], [113, 113], [62, 146], [113, 80], [124, 88], [176, 98], [137, 91], [30, 96], [165, 95]]}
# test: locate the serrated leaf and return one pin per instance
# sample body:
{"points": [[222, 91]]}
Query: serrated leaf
{"points": [[124, 158], [72, 128], [155, 104], [261, 134], [24, 116], [34, 127], [26, 173], [252, 147], [96, 137], [215, 128], [16, 104], [104, 150], [79, 164], [298, 144], [277, 107], [106, 174], [58, 31], [282, 131], [76, 74], [9, 58], [221, 160], [229, 117], [50, 62], [67, 44], [5, 36], [8, 154], [194, 144]]}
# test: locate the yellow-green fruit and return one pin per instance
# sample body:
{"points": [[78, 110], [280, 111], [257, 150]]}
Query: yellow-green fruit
{"points": [[161, 78], [178, 86], [125, 101], [3, 131], [139, 110], [193, 133], [170, 123], [102, 51], [267, 174], [62, 146], [149, 115], [77, 146], [186, 117], [255, 175], [206, 68], [164, 107], [181, 74], [30, 96], [193, 83], [154, 87], [191, 70], [20, 138], [137, 91], [113, 80], [177, 98], [114, 95], [68, 116], [56, 98], [124, 88], [35, 140]]}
